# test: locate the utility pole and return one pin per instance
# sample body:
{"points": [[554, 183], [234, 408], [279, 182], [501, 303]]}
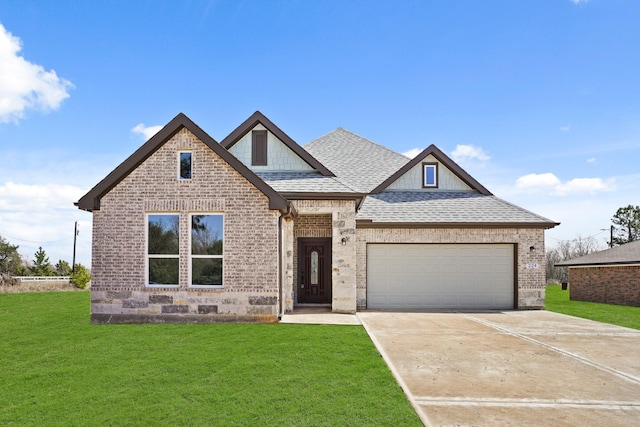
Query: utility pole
{"points": [[75, 235], [611, 241]]}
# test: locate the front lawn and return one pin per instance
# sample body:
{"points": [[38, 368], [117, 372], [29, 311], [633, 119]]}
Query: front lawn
{"points": [[58, 369], [558, 300]]}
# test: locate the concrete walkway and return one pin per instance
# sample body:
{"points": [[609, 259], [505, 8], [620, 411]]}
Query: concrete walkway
{"points": [[533, 368], [319, 316]]}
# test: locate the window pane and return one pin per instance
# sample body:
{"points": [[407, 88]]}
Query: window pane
{"points": [[163, 234], [314, 267], [430, 175], [185, 165], [206, 234], [206, 271], [163, 271]]}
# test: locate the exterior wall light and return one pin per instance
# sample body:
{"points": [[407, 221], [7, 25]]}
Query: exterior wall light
{"points": [[344, 241], [532, 249]]}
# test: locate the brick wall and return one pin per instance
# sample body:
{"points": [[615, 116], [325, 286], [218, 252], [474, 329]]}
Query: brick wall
{"points": [[250, 270], [610, 285], [530, 266]]}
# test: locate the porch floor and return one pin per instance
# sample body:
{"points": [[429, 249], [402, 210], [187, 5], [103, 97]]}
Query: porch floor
{"points": [[319, 315]]}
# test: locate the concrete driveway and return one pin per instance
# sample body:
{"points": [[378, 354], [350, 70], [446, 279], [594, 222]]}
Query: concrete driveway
{"points": [[511, 368]]}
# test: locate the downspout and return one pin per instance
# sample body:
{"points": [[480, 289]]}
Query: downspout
{"points": [[280, 240]]}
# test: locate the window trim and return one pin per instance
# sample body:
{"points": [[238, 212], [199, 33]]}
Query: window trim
{"points": [[191, 256], [259, 148], [429, 165], [149, 256], [180, 153]]}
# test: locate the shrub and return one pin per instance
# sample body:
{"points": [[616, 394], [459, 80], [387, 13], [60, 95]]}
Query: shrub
{"points": [[80, 276]]}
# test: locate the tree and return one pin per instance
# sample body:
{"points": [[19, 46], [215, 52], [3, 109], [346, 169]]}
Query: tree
{"points": [[626, 223], [568, 249], [63, 268], [10, 260], [41, 265]]}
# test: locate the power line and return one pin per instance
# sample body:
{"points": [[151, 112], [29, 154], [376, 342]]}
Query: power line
{"points": [[32, 241]]}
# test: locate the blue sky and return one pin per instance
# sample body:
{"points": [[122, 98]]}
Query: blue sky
{"points": [[539, 100]]}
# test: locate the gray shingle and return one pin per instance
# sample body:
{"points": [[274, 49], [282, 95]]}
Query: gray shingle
{"points": [[624, 254], [442, 207], [303, 182], [356, 161]]}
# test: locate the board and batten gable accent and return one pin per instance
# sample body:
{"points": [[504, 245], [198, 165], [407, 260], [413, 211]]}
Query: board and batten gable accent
{"points": [[413, 178], [119, 292], [279, 157]]}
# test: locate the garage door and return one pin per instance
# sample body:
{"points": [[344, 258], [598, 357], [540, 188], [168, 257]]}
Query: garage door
{"points": [[430, 276]]}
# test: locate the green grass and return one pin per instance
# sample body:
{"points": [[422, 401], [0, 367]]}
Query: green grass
{"points": [[58, 369], [558, 300]]}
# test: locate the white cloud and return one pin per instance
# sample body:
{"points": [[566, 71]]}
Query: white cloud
{"points": [[412, 153], [551, 184], [566, 128], [24, 85], [146, 131], [43, 215], [579, 1], [591, 160], [468, 152], [537, 181]]}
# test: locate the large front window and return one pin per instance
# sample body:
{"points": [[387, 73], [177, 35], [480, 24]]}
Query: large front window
{"points": [[206, 258], [163, 246]]}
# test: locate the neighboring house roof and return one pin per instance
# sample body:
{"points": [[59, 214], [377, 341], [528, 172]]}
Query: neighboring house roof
{"points": [[356, 161], [258, 117], [628, 253], [91, 200], [442, 158], [444, 208]]}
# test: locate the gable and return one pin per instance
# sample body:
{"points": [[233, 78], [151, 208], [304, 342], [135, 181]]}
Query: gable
{"points": [[91, 200], [448, 175], [279, 157], [285, 153], [413, 178]]}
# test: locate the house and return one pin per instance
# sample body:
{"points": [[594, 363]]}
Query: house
{"points": [[611, 276], [191, 230]]}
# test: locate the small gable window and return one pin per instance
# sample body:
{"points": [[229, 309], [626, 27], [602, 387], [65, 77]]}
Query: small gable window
{"points": [[184, 167], [430, 175], [259, 148]]}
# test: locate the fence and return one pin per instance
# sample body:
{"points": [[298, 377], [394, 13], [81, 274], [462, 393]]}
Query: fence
{"points": [[43, 278]]}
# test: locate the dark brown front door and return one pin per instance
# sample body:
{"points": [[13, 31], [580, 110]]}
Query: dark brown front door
{"points": [[314, 271]]}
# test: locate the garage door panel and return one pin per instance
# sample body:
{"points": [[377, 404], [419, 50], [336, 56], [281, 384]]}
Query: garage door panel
{"points": [[431, 276]]}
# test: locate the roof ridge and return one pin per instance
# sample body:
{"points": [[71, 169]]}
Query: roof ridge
{"points": [[339, 128]]}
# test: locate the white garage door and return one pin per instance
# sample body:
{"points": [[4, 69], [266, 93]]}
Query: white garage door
{"points": [[433, 276]]}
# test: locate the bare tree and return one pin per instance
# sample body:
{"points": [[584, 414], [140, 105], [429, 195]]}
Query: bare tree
{"points": [[568, 249]]}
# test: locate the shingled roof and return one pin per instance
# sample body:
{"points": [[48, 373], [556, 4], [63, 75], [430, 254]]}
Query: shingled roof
{"points": [[356, 161], [444, 208], [628, 253]]}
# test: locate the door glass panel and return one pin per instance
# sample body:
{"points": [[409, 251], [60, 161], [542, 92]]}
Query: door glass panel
{"points": [[314, 267]]}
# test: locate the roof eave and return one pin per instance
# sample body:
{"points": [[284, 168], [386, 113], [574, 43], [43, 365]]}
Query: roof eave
{"points": [[368, 223]]}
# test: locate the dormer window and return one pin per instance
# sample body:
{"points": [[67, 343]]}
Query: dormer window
{"points": [[429, 175], [184, 166], [259, 148]]}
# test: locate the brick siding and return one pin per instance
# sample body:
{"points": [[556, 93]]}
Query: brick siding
{"points": [[530, 281], [250, 272], [606, 284]]}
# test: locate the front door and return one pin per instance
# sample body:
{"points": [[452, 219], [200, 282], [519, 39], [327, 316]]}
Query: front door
{"points": [[314, 271]]}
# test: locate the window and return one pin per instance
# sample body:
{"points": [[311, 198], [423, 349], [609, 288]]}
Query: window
{"points": [[429, 175], [259, 148], [184, 166], [206, 258], [163, 246]]}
